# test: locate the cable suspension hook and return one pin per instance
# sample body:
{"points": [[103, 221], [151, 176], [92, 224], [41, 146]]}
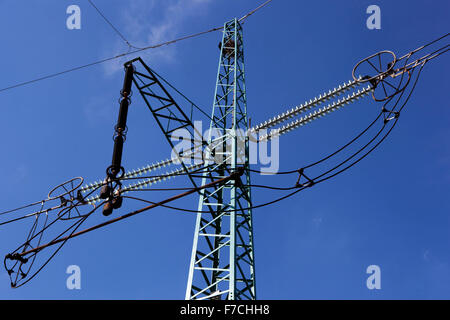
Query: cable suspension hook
{"points": [[309, 183]]}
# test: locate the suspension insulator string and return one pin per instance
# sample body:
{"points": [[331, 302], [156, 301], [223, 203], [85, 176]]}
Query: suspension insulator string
{"points": [[307, 105], [317, 114]]}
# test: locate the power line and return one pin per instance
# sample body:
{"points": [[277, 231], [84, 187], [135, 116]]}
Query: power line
{"points": [[194, 35], [254, 10], [234, 175], [74, 227], [63, 239], [46, 211], [112, 26], [26, 249]]}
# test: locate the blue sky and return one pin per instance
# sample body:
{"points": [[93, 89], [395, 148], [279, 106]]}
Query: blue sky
{"points": [[390, 210]]}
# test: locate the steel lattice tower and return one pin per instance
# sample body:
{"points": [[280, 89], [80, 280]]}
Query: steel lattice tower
{"points": [[222, 262]]}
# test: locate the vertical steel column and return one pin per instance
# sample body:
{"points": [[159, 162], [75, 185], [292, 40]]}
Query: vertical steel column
{"points": [[222, 259]]}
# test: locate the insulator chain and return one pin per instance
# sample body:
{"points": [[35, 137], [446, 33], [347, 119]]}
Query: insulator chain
{"points": [[317, 114], [267, 124], [147, 182], [137, 172], [307, 105]]}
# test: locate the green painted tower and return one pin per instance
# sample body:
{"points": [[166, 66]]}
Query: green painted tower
{"points": [[222, 262]]}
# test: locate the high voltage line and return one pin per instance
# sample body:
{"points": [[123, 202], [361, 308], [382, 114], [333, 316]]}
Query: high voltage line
{"points": [[224, 211], [124, 54]]}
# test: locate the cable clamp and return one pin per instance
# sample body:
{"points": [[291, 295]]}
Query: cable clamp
{"points": [[16, 256], [301, 174], [237, 172], [373, 81], [394, 114], [64, 201]]}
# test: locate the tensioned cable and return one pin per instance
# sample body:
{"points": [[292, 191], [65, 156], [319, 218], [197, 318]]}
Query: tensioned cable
{"points": [[370, 142], [130, 214], [278, 199], [245, 186], [112, 26], [75, 227], [176, 90], [28, 244], [271, 202], [382, 139], [348, 159], [254, 10], [72, 234], [342, 170], [23, 207], [299, 189], [354, 139], [326, 96], [322, 98], [328, 177], [37, 213], [423, 46], [194, 35]]}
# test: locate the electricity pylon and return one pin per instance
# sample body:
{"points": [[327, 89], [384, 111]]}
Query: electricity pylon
{"points": [[222, 261]]}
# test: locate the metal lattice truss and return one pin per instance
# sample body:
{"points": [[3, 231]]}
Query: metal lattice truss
{"points": [[222, 261], [169, 116], [222, 264]]}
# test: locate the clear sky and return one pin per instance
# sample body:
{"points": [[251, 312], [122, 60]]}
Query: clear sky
{"points": [[390, 210]]}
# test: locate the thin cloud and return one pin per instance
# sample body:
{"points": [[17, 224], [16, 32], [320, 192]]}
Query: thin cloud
{"points": [[19, 174], [317, 222], [149, 22], [426, 255], [98, 110]]}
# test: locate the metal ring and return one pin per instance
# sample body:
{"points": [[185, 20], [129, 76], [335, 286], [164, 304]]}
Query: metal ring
{"points": [[110, 174], [52, 196], [395, 93], [391, 66]]}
